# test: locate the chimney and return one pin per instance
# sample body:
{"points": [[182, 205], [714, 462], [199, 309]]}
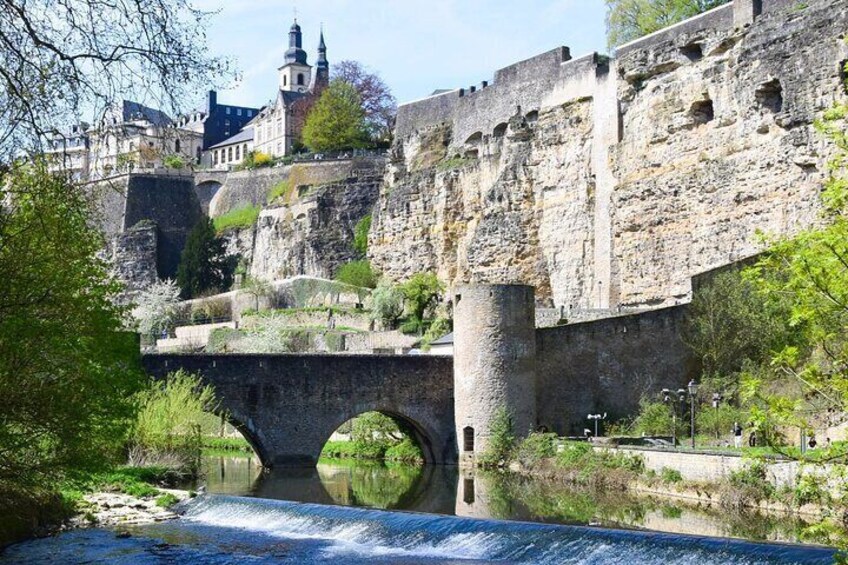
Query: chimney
{"points": [[211, 101], [746, 11]]}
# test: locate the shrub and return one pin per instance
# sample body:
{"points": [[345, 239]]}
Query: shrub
{"points": [[239, 218], [501, 444], [166, 500], [406, 451], [256, 160], [156, 308], [422, 292], [168, 424], [387, 304], [174, 162], [535, 447], [204, 264], [811, 489], [747, 486], [655, 419], [357, 273], [668, 475], [360, 235], [438, 328]]}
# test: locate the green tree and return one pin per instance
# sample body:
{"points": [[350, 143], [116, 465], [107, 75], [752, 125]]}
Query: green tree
{"points": [[810, 271], [730, 323], [67, 369], [204, 264], [360, 235], [257, 288], [631, 19], [337, 121], [357, 273], [422, 292], [387, 303]]}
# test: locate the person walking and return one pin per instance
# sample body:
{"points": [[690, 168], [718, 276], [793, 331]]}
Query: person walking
{"points": [[737, 435]]}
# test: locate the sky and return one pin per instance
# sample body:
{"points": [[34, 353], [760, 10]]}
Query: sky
{"points": [[416, 46]]}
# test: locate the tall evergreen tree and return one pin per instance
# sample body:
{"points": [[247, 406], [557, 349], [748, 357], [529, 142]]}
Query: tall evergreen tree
{"points": [[204, 265], [337, 121]]}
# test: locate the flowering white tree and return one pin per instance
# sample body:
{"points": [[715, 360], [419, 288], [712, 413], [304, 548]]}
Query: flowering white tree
{"points": [[156, 308]]}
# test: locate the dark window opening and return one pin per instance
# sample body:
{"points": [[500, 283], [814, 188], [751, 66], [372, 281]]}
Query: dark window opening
{"points": [[176, 146], [843, 74], [285, 80], [693, 52], [500, 130], [468, 490], [468, 439], [702, 111], [769, 95], [300, 78], [532, 116]]}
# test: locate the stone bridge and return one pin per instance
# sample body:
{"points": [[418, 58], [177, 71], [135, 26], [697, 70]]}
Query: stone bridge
{"points": [[287, 406], [207, 184]]}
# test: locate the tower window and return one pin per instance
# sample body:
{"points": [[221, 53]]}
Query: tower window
{"points": [[300, 78], [176, 146], [285, 80], [468, 438]]}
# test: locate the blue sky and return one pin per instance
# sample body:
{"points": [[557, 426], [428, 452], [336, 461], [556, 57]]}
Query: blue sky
{"points": [[415, 45]]}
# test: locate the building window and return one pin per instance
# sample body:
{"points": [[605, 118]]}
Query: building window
{"points": [[228, 111], [244, 149], [468, 438], [238, 112], [177, 146], [215, 157], [248, 113], [238, 152], [226, 123], [285, 80], [300, 78], [229, 154]]}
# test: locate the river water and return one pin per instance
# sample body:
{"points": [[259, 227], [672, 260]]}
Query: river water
{"points": [[367, 513]]}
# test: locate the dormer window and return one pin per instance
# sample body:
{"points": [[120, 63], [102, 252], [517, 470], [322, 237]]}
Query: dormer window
{"points": [[228, 111], [238, 112]]}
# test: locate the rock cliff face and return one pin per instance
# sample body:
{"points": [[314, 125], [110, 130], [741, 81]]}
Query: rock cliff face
{"points": [[308, 229], [620, 179]]}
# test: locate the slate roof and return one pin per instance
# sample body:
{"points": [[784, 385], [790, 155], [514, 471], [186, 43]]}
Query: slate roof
{"points": [[131, 111], [244, 135], [444, 340]]}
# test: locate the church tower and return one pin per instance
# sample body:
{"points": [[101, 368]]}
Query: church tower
{"points": [[322, 67], [295, 74]]}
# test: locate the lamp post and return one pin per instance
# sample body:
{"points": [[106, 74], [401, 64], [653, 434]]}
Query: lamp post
{"points": [[693, 390], [681, 397], [596, 417], [717, 398]]}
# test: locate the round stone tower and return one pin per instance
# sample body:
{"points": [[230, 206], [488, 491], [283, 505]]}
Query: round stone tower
{"points": [[494, 362]]}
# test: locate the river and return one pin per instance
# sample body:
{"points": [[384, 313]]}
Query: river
{"points": [[357, 513]]}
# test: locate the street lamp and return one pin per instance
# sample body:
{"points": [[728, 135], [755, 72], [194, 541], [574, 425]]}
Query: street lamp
{"points": [[681, 398], [693, 390], [717, 398], [596, 417]]}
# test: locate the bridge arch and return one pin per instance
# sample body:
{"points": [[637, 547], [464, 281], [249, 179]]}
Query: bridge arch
{"points": [[206, 191], [287, 406], [419, 432]]}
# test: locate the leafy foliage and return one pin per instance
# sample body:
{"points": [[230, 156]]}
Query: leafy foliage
{"points": [[357, 273], [810, 273], [256, 160], [501, 443], [631, 19], [204, 265], [170, 417], [337, 121], [174, 162], [378, 103], [422, 292], [67, 372], [360, 235], [387, 303], [655, 419]]}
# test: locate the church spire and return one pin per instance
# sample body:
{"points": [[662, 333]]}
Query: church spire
{"points": [[322, 66], [295, 52]]}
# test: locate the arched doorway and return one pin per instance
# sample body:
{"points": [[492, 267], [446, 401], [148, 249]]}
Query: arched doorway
{"points": [[205, 192]]}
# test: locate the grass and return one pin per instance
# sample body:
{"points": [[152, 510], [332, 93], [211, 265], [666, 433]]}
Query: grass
{"points": [[226, 444], [166, 500], [453, 163], [239, 218], [280, 191]]}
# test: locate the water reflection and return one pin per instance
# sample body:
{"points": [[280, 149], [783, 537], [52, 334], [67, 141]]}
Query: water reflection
{"points": [[448, 490]]}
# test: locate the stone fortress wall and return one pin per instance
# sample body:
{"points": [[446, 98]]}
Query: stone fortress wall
{"points": [[611, 182]]}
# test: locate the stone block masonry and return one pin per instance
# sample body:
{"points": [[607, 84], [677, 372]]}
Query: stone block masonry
{"points": [[611, 182]]}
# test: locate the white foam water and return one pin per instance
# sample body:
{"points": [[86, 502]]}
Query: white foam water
{"points": [[360, 534]]}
